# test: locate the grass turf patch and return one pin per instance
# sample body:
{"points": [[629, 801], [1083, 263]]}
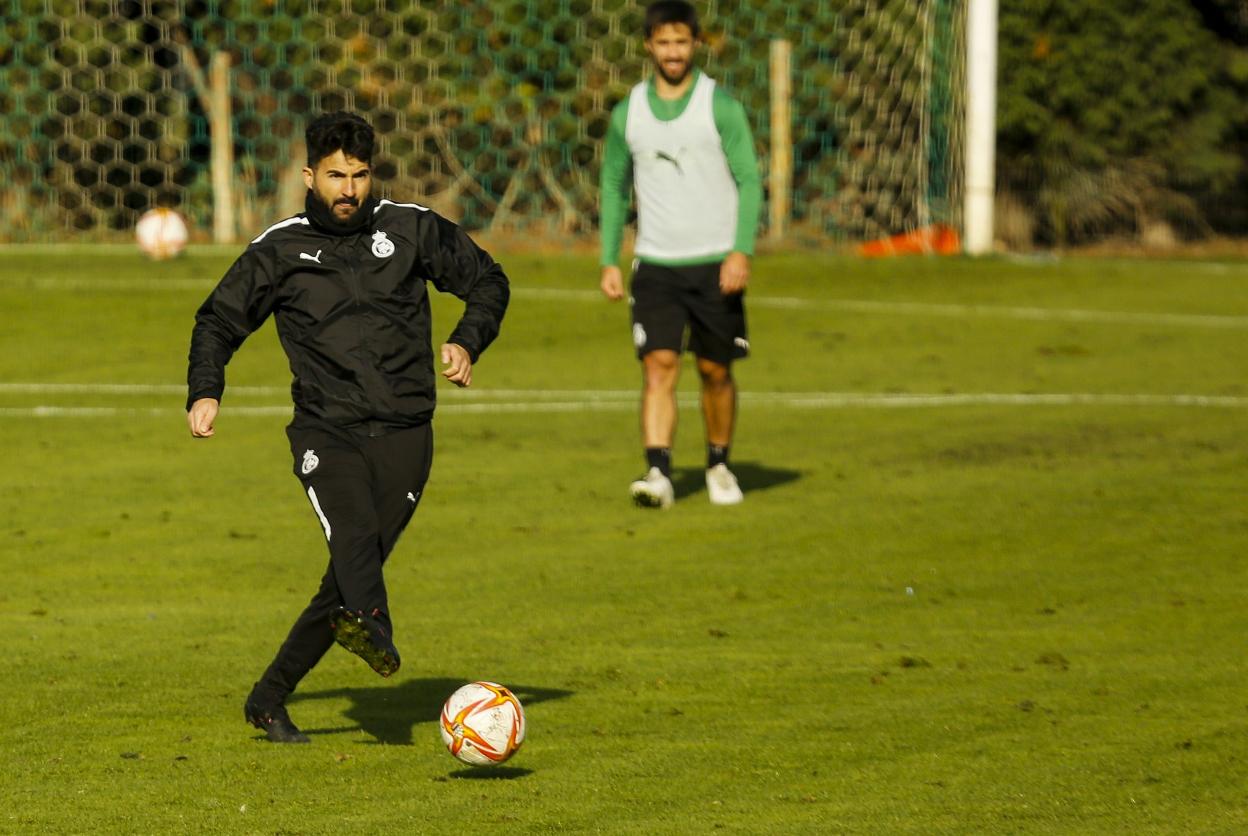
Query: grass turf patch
{"points": [[976, 617]]}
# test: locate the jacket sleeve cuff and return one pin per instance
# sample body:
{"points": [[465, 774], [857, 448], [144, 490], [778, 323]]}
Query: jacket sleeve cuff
{"points": [[195, 396]]}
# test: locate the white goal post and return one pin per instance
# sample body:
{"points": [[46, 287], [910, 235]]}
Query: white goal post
{"points": [[981, 125]]}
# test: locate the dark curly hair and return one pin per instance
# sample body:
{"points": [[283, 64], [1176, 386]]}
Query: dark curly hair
{"points": [[664, 12], [340, 131]]}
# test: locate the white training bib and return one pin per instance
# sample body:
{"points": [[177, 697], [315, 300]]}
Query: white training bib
{"points": [[686, 195]]}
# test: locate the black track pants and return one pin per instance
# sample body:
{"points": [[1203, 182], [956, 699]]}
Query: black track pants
{"points": [[363, 491]]}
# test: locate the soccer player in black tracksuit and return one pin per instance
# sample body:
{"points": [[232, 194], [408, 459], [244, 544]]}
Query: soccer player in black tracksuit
{"points": [[347, 281]]}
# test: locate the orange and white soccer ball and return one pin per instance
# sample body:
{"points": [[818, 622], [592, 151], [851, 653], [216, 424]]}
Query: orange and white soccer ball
{"points": [[161, 233], [482, 723]]}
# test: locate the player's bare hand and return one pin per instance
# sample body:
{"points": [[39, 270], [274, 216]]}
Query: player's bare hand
{"points": [[201, 416], [458, 365], [734, 273], [612, 283]]}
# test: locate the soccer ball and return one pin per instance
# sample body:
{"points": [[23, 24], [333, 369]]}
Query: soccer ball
{"points": [[161, 233], [482, 723]]}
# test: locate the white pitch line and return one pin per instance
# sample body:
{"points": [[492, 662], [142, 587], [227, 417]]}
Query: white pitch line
{"points": [[862, 306], [63, 283], [128, 249], [797, 400], [19, 388], [832, 400], [585, 398], [933, 309], [1003, 312], [34, 388]]}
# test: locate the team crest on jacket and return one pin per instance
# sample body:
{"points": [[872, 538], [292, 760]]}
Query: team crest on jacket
{"points": [[310, 461], [383, 247]]}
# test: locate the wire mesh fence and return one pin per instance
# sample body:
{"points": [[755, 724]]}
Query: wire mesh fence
{"points": [[493, 113]]}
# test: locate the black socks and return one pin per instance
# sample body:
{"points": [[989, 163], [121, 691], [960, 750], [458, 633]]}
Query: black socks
{"points": [[716, 455], [660, 457]]}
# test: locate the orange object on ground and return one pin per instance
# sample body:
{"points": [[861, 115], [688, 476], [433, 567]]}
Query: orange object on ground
{"points": [[936, 239]]}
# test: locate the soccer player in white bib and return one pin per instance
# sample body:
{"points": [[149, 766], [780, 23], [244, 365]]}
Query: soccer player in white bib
{"points": [[687, 146]]}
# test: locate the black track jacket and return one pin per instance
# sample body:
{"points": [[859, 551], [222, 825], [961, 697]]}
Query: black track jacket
{"points": [[352, 312]]}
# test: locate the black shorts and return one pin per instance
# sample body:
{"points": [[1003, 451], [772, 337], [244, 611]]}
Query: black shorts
{"points": [[667, 301]]}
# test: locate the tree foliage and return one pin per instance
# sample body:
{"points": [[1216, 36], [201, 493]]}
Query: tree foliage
{"points": [[1117, 113]]}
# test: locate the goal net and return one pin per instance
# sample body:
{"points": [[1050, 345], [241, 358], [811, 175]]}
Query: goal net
{"points": [[491, 112]]}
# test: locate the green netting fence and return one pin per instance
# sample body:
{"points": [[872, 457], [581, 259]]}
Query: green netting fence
{"points": [[491, 112]]}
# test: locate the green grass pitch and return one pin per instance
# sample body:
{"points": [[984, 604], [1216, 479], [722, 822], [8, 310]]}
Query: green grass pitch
{"points": [[988, 578]]}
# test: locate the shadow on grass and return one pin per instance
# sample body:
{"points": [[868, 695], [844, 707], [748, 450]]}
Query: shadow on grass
{"points": [[490, 773], [388, 712], [752, 478]]}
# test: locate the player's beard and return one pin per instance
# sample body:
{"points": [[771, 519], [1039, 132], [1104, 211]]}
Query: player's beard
{"points": [[348, 219], [685, 68], [322, 211], [344, 223]]}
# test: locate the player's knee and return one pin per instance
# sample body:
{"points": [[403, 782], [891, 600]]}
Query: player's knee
{"points": [[713, 373], [660, 368]]}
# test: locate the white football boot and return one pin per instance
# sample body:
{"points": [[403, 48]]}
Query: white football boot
{"points": [[654, 490], [722, 486]]}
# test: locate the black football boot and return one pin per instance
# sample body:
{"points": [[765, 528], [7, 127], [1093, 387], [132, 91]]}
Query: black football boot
{"points": [[368, 636], [269, 715]]}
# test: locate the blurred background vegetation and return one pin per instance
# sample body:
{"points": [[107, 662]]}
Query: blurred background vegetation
{"points": [[1123, 118]]}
